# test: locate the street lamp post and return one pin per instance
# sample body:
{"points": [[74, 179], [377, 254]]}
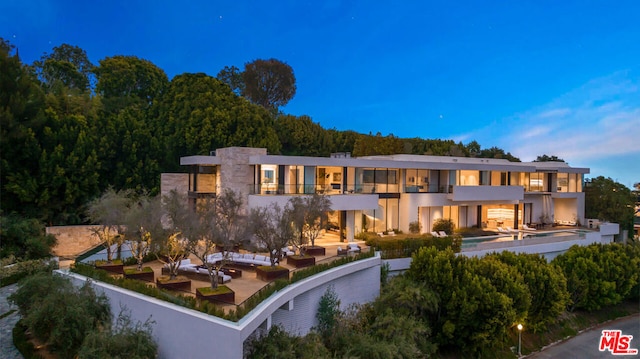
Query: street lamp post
{"points": [[519, 340]]}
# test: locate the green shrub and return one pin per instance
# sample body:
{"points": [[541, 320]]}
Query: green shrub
{"points": [[445, 225], [10, 274], [37, 287], [415, 227], [60, 315], [406, 247], [22, 343], [24, 238], [125, 340]]}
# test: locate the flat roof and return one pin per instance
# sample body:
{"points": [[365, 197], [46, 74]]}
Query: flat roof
{"points": [[402, 161]]}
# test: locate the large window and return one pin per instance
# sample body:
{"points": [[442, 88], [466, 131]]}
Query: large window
{"points": [[536, 182], [563, 182], [416, 180], [376, 180]]}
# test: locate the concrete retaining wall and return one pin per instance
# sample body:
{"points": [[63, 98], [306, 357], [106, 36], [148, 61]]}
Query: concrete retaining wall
{"points": [[186, 333]]}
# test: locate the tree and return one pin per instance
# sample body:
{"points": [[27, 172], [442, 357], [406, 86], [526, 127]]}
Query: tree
{"points": [[217, 225], [139, 222], [66, 66], [328, 312], [377, 145], [547, 287], [167, 233], [611, 201], [198, 113], [107, 212], [128, 80], [300, 136], [473, 313], [599, 275], [24, 238], [124, 339], [546, 158], [232, 76], [58, 314], [21, 118], [269, 83], [272, 227], [309, 217]]}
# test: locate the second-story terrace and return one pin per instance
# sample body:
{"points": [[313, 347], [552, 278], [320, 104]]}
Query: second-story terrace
{"points": [[380, 193]]}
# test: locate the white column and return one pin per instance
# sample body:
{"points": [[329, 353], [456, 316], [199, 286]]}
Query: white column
{"points": [[351, 223]]}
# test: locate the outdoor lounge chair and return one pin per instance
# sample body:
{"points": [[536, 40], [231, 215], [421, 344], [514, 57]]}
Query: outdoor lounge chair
{"points": [[435, 234], [353, 248], [527, 228], [502, 230], [443, 234]]}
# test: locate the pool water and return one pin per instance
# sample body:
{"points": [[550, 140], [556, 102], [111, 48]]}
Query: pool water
{"points": [[472, 242]]}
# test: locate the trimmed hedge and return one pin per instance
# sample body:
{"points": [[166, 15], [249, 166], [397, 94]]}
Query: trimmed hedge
{"points": [[406, 247]]}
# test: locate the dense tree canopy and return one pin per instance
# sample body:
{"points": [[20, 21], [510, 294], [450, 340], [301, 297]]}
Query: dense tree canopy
{"points": [[269, 83], [546, 158], [611, 201], [66, 67], [69, 129]]}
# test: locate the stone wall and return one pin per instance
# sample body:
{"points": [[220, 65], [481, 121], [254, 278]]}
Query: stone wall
{"points": [[235, 172], [171, 181], [73, 240]]}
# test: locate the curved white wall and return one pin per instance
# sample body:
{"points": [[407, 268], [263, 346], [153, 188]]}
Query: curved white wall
{"points": [[186, 333]]}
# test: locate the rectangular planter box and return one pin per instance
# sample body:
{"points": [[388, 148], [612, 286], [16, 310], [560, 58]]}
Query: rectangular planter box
{"points": [[300, 262], [146, 276], [315, 251], [111, 267], [183, 284], [269, 275], [228, 298]]}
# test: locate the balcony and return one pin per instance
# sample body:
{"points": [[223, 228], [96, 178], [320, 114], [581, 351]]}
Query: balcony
{"points": [[486, 193]]}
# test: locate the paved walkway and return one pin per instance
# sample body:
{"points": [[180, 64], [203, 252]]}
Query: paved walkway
{"points": [[7, 350]]}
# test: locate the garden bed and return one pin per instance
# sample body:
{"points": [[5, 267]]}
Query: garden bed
{"points": [[222, 294], [301, 261], [267, 273], [146, 274], [178, 283], [315, 251], [115, 266]]}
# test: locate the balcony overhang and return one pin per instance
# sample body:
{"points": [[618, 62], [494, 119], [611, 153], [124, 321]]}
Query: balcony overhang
{"points": [[486, 193]]}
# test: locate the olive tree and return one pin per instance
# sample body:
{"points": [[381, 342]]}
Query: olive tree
{"points": [[217, 225], [107, 212], [272, 226], [309, 215], [167, 237], [140, 220]]}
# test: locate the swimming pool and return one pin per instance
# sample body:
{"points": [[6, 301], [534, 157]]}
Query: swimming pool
{"points": [[474, 241]]}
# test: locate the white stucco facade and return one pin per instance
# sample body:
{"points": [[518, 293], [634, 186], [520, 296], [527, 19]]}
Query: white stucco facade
{"points": [[380, 193]]}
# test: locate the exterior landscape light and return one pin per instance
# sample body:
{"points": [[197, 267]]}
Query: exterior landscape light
{"points": [[519, 339]]}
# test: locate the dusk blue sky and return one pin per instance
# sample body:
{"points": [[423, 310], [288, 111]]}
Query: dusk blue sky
{"points": [[532, 77]]}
